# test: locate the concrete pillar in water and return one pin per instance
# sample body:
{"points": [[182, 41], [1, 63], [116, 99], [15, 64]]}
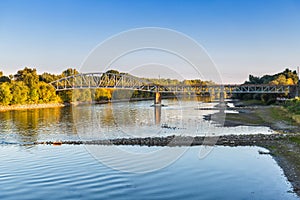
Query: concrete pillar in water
{"points": [[157, 100], [221, 97], [222, 104], [222, 94]]}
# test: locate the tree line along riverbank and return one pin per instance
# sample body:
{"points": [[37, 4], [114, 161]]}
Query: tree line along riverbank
{"points": [[28, 88]]}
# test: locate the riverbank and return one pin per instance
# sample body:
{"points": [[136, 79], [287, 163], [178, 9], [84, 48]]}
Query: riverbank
{"points": [[276, 117], [285, 150], [53, 105], [30, 106]]}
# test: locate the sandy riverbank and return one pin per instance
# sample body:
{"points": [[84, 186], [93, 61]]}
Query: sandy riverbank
{"points": [[30, 106]]}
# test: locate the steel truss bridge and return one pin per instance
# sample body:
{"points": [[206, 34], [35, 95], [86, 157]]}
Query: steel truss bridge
{"points": [[125, 81]]}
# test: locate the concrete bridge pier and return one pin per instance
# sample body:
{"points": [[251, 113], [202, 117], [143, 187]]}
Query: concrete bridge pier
{"points": [[157, 99], [222, 97], [222, 94]]}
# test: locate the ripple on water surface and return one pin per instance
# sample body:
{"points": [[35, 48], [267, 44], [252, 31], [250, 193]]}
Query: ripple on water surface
{"points": [[70, 172]]}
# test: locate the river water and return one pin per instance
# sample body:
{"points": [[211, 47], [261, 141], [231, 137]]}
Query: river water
{"points": [[130, 172]]}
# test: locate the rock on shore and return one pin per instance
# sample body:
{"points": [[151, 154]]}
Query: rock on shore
{"points": [[226, 140]]}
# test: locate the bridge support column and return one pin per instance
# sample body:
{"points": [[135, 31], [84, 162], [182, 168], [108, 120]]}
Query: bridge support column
{"points": [[221, 97], [157, 100], [222, 94]]}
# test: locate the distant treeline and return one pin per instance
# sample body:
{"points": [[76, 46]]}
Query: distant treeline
{"points": [[287, 77], [28, 87]]}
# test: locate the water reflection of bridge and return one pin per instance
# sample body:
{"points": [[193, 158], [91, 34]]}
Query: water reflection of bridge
{"points": [[129, 82]]}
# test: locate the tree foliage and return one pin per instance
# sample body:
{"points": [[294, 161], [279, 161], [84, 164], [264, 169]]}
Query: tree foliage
{"points": [[287, 77], [69, 72], [26, 88], [5, 94], [20, 93], [293, 106], [48, 78]]}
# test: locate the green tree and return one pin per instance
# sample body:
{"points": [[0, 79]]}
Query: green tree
{"points": [[28, 76], [4, 79], [5, 94], [85, 96], [103, 94], [280, 80], [112, 71], [48, 78], [69, 72], [33, 95], [47, 93], [20, 92], [66, 96]]}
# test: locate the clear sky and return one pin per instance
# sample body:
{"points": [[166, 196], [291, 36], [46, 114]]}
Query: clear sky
{"points": [[242, 37]]}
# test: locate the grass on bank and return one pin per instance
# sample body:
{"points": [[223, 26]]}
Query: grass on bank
{"points": [[278, 117], [296, 140], [250, 102]]}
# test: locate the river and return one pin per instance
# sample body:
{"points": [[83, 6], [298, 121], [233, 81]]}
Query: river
{"points": [[130, 172]]}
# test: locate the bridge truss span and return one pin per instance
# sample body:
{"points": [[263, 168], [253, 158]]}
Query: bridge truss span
{"points": [[254, 89], [228, 88], [102, 80], [126, 81]]}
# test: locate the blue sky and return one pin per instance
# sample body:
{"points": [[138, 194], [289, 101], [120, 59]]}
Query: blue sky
{"points": [[242, 37]]}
